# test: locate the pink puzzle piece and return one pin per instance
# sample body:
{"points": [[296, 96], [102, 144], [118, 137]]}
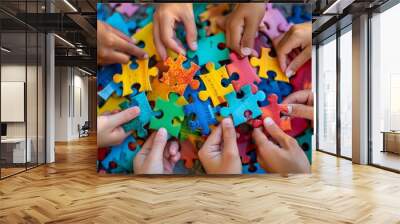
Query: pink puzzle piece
{"points": [[112, 5], [275, 22], [127, 8], [302, 79], [299, 125], [247, 74]]}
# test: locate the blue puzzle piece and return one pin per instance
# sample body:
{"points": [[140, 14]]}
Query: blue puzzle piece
{"points": [[113, 156], [252, 168], [106, 73], [239, 106], [269, 86], [101, 12], [128, 154], [205, 113], [149, 11], [144, 117], [118, 22], [305, 143], [110, 88], [299, 15], [210, 49]]}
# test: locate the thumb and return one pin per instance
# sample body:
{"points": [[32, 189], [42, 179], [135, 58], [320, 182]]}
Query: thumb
{"points": [[298, 61], [276, 133], [123, 117], [229, 136], [300, 110], [159, 142], [191, 32]]}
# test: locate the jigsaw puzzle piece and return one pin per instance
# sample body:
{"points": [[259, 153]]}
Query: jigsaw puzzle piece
{"points": [[252, 168], [149, 11], [127, 9], [246, 74], [106, 73], [141, 75], [210, 49], [109, 89], [299, 15], [270, 86], [244, 142], [188, 154], [213, 11], [204, 114], [302, 79], [144, 117], [268, 62], [162, 91], [118, 22], [172, 115], [260, 42], [298, 126], [273, 110], [275, 22], [305, 142], [128, 153], [215, 90], [110, 105], [178, 77], [239, 106]]}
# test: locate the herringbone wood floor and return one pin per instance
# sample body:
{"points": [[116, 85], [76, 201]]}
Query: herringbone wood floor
{"points": [[70, 191]]}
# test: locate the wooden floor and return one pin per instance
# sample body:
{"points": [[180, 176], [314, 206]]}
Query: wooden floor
{"points": [[70, 191]]}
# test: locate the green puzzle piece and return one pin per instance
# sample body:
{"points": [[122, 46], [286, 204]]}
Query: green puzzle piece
{"points": [[172, 115], [305, 143]]}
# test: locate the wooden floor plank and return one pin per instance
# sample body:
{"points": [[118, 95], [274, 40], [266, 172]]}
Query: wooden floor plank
{"points": [[70, 191]]}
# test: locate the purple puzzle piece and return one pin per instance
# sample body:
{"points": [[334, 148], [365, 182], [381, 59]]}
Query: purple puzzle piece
{"points": [[128, 9], [275, 21]]}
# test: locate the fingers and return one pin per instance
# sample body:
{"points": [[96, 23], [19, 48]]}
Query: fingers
{"points": [[173, 151], [300, 110], [167, 35], [123, 117], [300, 97], [249, 34], [229, 136], [191, 32], [235, 33], [264, 147], [213, 139], [285, 46], [159, 142], [284, 140], [298, 61], [161, 50], [123, 46]]}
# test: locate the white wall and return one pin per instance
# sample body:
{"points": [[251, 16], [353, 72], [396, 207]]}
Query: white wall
{"points": [[70, 84]]}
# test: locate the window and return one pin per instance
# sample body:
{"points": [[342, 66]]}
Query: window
{"points": [[385, 89], [346, 93], [327, 96]]}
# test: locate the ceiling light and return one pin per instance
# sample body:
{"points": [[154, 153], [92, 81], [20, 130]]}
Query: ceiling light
{"points": [[70, 5], [84, 71], [65, 41], [5, 49]]}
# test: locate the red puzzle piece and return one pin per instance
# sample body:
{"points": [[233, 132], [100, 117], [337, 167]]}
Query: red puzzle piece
{"points": [[247, 74], [244, 144], [273, 110], [302, 79], [188, 153], [299, 125], [177, 77]]}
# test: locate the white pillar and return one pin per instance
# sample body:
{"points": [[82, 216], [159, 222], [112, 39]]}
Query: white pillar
{"points": [[360, 90]]}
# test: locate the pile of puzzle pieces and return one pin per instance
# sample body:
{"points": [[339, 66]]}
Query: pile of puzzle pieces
{"points": [[189, 95]]}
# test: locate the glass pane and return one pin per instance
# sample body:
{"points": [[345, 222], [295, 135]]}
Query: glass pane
{"points": [[327, 97], [346, 94], [386, 89], [13, 86], [31, 97]]}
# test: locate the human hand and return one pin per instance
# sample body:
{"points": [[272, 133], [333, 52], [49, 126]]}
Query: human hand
{"points": [[241, 27], [298, 39], [114, 47], [284, 157], [109, 130], [164, 22], [157, 156], [219, 153], [300, 104]]}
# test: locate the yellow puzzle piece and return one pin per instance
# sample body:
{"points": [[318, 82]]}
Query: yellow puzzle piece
{"points": [[110, 105], [268, 63], [213, 82], [140, 75]]}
